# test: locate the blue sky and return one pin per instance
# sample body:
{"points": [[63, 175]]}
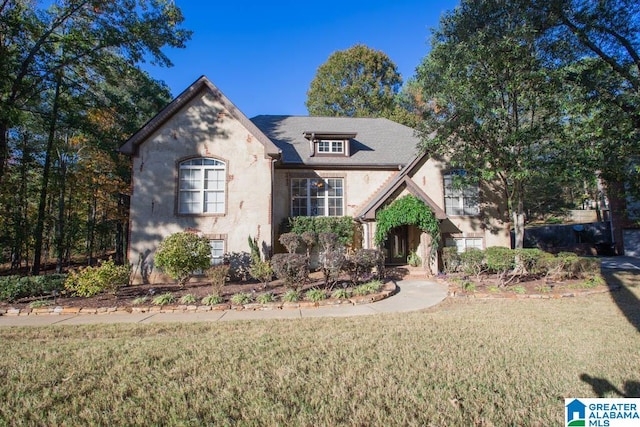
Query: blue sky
{"points": [[263, 54]]}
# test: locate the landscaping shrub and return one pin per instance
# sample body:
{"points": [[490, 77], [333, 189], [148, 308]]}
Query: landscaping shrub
{"points": [[332, 262], [472, 261], [164, 299], [450, 259], [309, 238], [261, 271], [531, 260], [16, 287], [343, 226], [266, 298], [291, 242], [291, 296], [341, 294], [499, 260], [315, 295], [218, 276], [181, 254], [212, 300], [241, 298], [414, 260], [367, 288], [293, 269], [91, 281], [188, 299], [361, 264]]}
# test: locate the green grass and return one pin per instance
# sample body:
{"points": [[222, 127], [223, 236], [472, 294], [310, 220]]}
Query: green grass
{"points": [[465, 362]]}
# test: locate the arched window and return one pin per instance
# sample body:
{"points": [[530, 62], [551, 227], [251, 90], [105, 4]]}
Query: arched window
{"points": [[202, 186]]}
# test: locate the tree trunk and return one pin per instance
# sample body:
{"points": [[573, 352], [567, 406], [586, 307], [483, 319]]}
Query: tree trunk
{"points": [[518, 216], [618, 212], [61, 218], [4, 148], [39, 231]]}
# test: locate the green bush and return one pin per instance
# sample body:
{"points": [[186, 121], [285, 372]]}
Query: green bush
{"points": [[293, 269], [368, 288], [91, 281], [140, 300], [239, 265], [343, 226], [531, 259], [188, 299], [413, 259], [181, 254], [499, 259], [164, 299], [450, 259], [291, 296], [265, 298], [315, 295], [212, 300], [341, 294], [261, 271], [241, 298], [472, 261], [16, 287]]}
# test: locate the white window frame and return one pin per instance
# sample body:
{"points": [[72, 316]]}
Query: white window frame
{"points": [[217, 251], [464, 243], [202, 186], [317, 196], [460, 201], [331, 146]]}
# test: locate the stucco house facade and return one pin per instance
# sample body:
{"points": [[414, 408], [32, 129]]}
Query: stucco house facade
{"points": [[202, 165]]}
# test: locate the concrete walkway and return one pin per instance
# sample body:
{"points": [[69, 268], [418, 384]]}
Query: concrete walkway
{"points": [[412, 295]]}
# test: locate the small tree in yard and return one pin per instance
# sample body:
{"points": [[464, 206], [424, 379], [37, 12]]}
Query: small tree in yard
{"points": [[180, 254]]}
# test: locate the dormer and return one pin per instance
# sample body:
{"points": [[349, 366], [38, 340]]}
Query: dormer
{"points": [[330, 144]]}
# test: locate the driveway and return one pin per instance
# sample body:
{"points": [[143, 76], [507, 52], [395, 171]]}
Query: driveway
{"points": [[620, 263]]}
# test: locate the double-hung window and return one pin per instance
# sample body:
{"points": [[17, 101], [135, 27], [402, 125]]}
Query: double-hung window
{"points": [[202, 186], [460, 197], [317, 197], [217, 251], [330, 146]]}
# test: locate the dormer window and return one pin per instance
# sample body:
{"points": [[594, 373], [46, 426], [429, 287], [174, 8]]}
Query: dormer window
{"points": [[329, 143], [330, 146]]}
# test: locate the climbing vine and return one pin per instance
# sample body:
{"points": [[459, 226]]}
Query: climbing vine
{"points": [[408, 210]]}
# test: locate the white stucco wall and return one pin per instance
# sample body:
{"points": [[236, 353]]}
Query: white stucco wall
{"points": [[203, 128]]}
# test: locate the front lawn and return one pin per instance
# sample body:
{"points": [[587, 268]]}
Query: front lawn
{"points": [[464, 362]]}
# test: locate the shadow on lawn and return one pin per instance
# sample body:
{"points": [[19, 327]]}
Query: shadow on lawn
{"points": [[603, 387], [627, 301]]}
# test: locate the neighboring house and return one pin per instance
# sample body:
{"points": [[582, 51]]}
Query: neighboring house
{"points": [[202, 165]]}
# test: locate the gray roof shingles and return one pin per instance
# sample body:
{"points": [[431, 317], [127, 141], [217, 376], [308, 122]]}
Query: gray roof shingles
{"points": [[379, 142]]}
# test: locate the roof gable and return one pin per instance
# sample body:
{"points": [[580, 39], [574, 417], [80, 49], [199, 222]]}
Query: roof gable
{"points": [[401, 181], [202, 84]]}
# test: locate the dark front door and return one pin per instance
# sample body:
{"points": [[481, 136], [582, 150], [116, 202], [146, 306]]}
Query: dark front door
{"points": [[396, 245]]}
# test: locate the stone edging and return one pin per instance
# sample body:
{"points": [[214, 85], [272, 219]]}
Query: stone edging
{"points": [[452, 293], [388, 290]]}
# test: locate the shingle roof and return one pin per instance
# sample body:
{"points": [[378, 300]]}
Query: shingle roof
{"points": [[378, 142]]}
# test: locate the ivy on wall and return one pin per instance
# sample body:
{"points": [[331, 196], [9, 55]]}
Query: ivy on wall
{"points": [[408, 210]]}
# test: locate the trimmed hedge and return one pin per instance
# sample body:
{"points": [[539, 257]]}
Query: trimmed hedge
{"points": [[16, 287]]}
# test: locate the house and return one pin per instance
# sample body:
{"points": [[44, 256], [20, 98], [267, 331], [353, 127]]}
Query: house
{"points": [[202, 165]]}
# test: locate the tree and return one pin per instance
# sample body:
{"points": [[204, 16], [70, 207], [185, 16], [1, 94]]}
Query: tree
{"points": [[356, 82], [493, 105], [599, 43], [61, 60], [38, 45], [180, 254]]}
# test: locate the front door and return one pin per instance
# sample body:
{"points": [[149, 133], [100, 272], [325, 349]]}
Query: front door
{"points": [[396, 245]]}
